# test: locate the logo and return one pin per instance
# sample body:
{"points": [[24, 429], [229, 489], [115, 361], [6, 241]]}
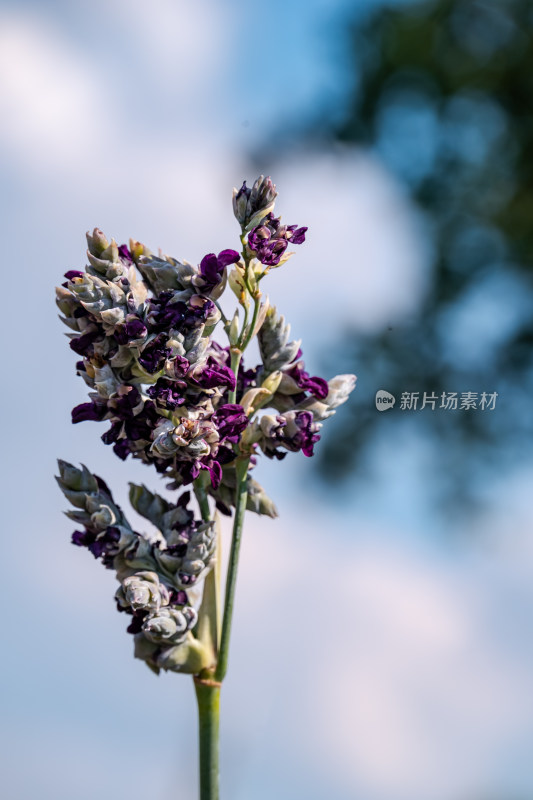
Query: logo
{"points": [[384, 400]]}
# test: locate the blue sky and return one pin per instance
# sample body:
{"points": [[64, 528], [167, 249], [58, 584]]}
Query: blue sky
{"points": [[404, 675]]}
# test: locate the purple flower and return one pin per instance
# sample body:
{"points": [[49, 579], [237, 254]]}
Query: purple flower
{"points": [[215, 472], [263, 241], [82, 345], [125, 254], [79, 538], [246, 377], [295, 431], [270, 252], [168, 394], [128, 399], [100, 545], [165, 314], [73, 273], [305, 437], [178, 597], [140, 426], [181, 366], [133, 328], [212, 267], [122, 449], [137, 620], [132, 422], [318, 387], [155, 354], [188, 471], [230, 421], [225, 455], [270, 239], [183, 501], [112, 434], [105, 545], [94, 411], [297, 235], [215, 374]]}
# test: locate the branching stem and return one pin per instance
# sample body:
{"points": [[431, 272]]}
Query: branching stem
{"points": [[231, 580]]}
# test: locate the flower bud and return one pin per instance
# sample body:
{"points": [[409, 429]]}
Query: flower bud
{"points": [[251, 205], [240, 203], [137, 249], [272, 382], [254, 399], [162, 274], [190, 657], [163, 444], [97, 242], [258, 500], [169, 625], [105, 382], [233, 331], [339, 389], [277, 352], [75, 483], [237, 284], [142, 592], [111, 252], [102, 518]]}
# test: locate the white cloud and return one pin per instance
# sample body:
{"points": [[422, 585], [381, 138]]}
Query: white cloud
{"points": [[61, 761], [179, 44], [410, 685], [67, 118], [141, 85], [50, 101], [363, 262], [380, 667]]}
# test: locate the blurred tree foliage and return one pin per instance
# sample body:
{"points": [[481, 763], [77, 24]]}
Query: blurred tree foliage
{"points": [[443, 93]]}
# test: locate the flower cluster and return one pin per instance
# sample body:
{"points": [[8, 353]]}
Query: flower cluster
{"points": [[148, 358], [155, 572], [269, 240], [144, 328]]}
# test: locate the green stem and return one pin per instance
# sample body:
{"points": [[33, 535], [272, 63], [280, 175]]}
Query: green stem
{"points": [[236, 356], [231, 580], [203, 502], [208, 698], [245, 320], [257, 305], [208, 683]]}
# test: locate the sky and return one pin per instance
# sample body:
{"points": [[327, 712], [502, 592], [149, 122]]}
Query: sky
{"points": [[371, 658]]}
